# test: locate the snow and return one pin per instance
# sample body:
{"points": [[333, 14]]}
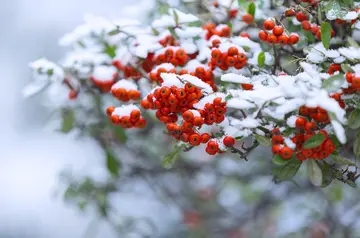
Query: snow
{"points": [[124, 110], [247, 122], [289, 143], [196, 82], [209, 99], [42, 66], [234, 78], [169, 20], [104, 73], [189, 32], [291, 121], [339, 131], [351, 16], [124, 83], [239, 104]]}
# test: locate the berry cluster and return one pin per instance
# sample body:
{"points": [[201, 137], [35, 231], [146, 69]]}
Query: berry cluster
{"points": [[125, 91], [174, 55], [314, 29], [226, 60], [220, 30], [126, 118], [169, 40], [334, 68], [168, 101], [154, 75], [206, 75], [276, 35], [104, 85]]}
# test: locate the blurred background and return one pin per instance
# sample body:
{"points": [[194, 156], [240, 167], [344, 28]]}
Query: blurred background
{"points": [[32, 155]]}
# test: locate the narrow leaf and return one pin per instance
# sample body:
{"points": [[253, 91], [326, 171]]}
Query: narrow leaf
{"points": [[279, 161], [351, 183], [346, 68], [68, 119], [327, 175], [112, 163], [314, 141], [354, 119], [341, 160], [356, 147], [352, 42], [170, 159], [264, 141], [110, 50], [326, 34], [314, 172], [176, 17], [251, 9], [261, 59]]}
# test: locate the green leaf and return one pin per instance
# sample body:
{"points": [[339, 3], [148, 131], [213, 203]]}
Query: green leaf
{"points": [[112, 164], [264, 141], [356, 147], [327, 175], [251, 9], [288, 131], [110, 50], [326, 34], [230, 25], [354, 119], [163, 9], [176, 17], [352, 42], [346, 68], [154, 31], [114, 32], [50, 72], [314, 141], [341, 160], [173, 33], [333, 83], [314, 172], [228, 97], [279, 161], [335, 140], [261, 59], [288, 171], [68, 119], [351, 183], [170, 159]]}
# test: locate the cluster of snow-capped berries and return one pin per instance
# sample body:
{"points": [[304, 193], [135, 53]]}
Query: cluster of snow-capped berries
{"points": [[220, 30], [226, 60], [206, 75], [306, 130], [125, 95], [104, 85], [154, 75], [132, 120], [274, 34], [174, 55]]}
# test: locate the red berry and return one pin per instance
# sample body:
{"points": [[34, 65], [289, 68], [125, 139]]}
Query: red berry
{"points": [[286, 152], [278, 30], [263, 35], [293, 38], [269, 24], [195, 139], [248, 18], [276, 149], [229, 141], [300, 123]]}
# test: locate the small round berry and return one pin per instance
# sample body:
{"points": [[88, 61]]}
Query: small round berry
{"points": [[205, 137], [248, 18], [145, 104], [349, 77], [286, 152], [188, 116], [283, 39], [306, 25], [300, 16], [263, 35], [135, 115], [230, 61], [233, 51], [310, 127], [115, 119], [72, 94], [269, 24], [278, 139], [314, 29], [198, 121], [229, 141], [213, 145], [110, 110], [278, 30], [293, 38], [272, 39], [276, 149], [289, 12], [300, 122], [141, 123], [195, 139]]}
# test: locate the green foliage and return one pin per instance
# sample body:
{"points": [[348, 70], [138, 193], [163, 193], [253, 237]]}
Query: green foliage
{"points": [[314, 141], [264, 141], [333, 83], [326, 34], [261, 59], [327, 175], [278, 160], [112, 163], [354, 119], [68, 121], [341, 160], [288, 171], [356, 148], [251, 9], [314, 172], [176, 17], [346, 68], [171, 158], [352, 42], [110, 50]]}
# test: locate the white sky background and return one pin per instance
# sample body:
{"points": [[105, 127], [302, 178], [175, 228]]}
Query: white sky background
{"points": [[30, 157]]}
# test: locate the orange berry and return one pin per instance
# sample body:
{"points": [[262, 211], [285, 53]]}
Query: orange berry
{"points": [[213, 145], [356, 82], [184, 137], [283, 39], [195, 139], [215, 53], [349, 77], [277, 139], [269, 24], [188, 116], [248, 18], [293, 38], [310, 127], [198, 121], [272, 39], [233, 51], [110, 110], [135, 115], [141, 123], [278, 30], [276, 149], [170, 126], [215, 43], [145, 104], [306, 25], [247, 86], [286, 152], [314, 29], [133, 94], [300, 16], [205, 137], [165, 92], [210, 151], [300, 156], [230, 61], [229, 141], [180, 93], [225, 31], [180, 53], [289, 12], [115, 119], [263, 35], [241, 57], [217, 101], [300, 122]]}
